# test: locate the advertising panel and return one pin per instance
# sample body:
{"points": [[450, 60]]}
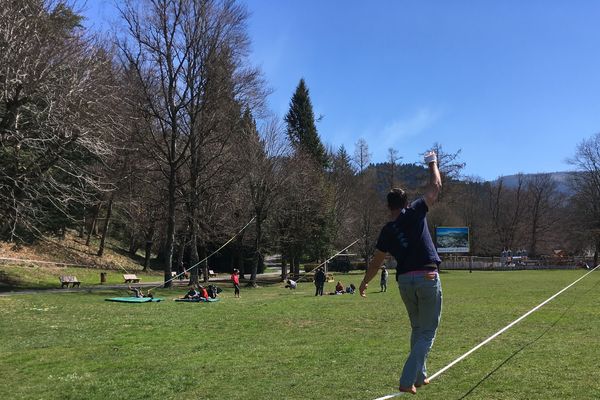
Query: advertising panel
{"points": [[452, 239]]}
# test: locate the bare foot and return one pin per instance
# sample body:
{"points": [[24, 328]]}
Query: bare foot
{"points": [[411, 389], [425, 382]]}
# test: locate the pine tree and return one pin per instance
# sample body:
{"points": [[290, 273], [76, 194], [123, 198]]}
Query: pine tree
{"points": [[301, 128]]}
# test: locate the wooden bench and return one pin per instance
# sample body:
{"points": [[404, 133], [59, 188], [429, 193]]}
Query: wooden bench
{"points": [[211, 274], [131, 278], [65, 280]]}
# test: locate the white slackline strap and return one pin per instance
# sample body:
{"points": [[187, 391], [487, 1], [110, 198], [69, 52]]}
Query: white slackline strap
{"points": [[495, 335], [207, 257], [329, 259]]}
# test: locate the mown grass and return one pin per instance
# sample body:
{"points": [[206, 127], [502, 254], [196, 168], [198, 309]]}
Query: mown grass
{"points": [[279, 344]]}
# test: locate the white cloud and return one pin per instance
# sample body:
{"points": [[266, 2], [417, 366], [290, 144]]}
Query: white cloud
{"points": [[404, 128]]}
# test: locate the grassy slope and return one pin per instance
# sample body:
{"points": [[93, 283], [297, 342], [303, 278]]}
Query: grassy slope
{"points": [[28, 275], [273, 343]]}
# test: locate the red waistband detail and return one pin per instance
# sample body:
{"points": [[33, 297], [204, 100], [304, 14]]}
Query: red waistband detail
{"points": [[419, 272]]}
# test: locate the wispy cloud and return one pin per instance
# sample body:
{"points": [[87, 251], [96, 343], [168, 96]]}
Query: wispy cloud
{"points": [[404, 128], [401, 133]]}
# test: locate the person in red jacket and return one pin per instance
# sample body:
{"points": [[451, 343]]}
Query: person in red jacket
{"points": [[203, 292], [235, 278]]}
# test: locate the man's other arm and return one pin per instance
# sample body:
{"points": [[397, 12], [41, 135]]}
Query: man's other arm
{"points": [[374, 265]]}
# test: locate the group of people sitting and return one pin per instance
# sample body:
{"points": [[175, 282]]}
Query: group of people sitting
{"points": [[339, 289], [211, 291]]}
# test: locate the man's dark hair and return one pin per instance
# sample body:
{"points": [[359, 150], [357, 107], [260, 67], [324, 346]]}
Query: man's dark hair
{"points": [[396, 199]]}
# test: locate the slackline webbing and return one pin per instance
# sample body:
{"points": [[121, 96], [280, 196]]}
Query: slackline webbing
{"points": [[329, 259], [206, 258], [495, 335]]}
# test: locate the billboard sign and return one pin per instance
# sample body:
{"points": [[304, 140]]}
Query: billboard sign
{"points": [[452, 239]]}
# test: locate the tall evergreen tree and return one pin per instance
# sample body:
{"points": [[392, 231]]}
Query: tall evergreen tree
{"points": [[301, 128]]}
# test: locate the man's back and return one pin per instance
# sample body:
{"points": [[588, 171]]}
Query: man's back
{"points": [[407, 238]]}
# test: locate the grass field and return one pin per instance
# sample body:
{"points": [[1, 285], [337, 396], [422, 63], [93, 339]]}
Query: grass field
{"points": [[277, 344]]}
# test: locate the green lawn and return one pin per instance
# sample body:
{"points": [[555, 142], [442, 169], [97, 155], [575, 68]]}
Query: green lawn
{"points": [[277, 344]]}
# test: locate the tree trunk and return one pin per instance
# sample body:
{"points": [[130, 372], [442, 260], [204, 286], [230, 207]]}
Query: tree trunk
{"points": [[240, 260], [133, 245], [257, 240], [106, 224], [194, 257], [148, 249], [193, 206], [82, 227], [147, 255], [597, 251], [203, 253], [170, 228], [284, 271], [94, 222], [295, 265], [179, 263]]}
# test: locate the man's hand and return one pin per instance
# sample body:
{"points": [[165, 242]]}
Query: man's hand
{"points": [[430, 157], [362, 288], [435, 180]]}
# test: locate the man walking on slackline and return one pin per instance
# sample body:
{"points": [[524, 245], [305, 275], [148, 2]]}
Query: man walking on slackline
{"points": [[406, 237]]}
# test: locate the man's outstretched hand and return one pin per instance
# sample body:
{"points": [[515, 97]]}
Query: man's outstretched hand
{"points": [[430, 157], [362, 288]]}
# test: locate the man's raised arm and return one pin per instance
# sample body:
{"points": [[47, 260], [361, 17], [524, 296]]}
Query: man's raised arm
{"points": [[435, 181]]}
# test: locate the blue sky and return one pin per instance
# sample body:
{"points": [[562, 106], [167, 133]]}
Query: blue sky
{"points": [[514, 84]]}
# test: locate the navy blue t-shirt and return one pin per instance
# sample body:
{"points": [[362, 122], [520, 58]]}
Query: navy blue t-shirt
{"points": [[408, 239]]}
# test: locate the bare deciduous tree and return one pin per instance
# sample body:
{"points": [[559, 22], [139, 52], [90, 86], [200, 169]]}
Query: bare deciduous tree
{"points": [[393, 159], [586, 184], [57, 93]]}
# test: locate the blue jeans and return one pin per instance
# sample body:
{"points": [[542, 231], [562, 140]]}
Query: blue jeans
{"points": [[423, 300]]}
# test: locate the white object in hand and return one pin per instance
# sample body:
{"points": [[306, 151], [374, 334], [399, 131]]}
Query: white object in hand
{"points": [[430, 157]]}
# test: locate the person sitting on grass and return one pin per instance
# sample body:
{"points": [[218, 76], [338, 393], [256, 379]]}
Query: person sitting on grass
{"points": [[139, 293], [339, 289], [350, 289], [213, 291], [191, 294], [203, 292], [291, 284]]}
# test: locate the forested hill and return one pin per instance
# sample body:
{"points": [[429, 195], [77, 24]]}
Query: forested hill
{"points": [[561, 179], [407, 176], [414, 176]]}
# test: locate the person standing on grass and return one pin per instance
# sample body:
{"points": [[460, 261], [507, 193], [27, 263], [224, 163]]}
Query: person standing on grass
{"points": [[319, 281], [406, 237], [384, 279], [235, 278]]}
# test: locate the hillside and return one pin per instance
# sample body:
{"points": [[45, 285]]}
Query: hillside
{"points": [[72, 250], [561, 178], [46, 260]]}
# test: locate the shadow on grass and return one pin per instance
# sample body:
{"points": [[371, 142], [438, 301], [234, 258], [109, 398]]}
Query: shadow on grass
{"points": [[527, 344]]}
